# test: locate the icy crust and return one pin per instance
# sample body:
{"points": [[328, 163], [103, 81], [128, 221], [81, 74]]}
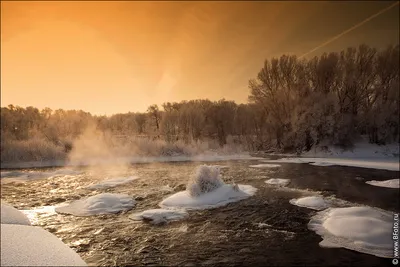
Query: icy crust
{"points": [[159, 216], [363, 229], [112, 182], [98, 204], [10, 215], [23, 245], [394, 183], [278, 181], [313, 202]]}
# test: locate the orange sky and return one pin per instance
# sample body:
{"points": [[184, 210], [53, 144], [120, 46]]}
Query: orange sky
{"points": [[115, 57]]}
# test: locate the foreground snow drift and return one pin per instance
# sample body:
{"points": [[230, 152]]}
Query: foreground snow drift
{"points": [[207, 190], [278, 181], [394, 183], [381, 164], [23, 245], [363, 229], [112, 182], [313, 202], [159, 216], [98, 204], [10, 215]]}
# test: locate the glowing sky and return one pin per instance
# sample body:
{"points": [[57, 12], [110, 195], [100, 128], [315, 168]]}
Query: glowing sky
{"points": [[115, 57]]}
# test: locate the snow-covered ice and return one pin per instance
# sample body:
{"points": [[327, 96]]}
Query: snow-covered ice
{"points": [[394, 183], [23, 245], [322, 163], [382, 164], [10, 215], [159, 216], [363, 229], [313, 202], [112, 182], [98, 204], [278, 181], [207, 190], [265, 166]]}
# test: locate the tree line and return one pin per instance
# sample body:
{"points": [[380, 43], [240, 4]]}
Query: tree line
{"points": [[294, 104]]}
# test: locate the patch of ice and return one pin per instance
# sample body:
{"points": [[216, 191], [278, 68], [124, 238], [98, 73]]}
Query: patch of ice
{"points": [[278, 181], [265, 166], [313, 202], [394, 183], [159, 216], [363, 229], [98, 204], [23, 245], [112, 182], [19, 176], [10, 215]]}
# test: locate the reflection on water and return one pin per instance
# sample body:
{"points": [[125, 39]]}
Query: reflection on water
{"points": [[262, 229]]}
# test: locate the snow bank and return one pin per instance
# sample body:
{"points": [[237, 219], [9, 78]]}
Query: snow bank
{"points": [[382, 164], [23, 245], [10, 215], [363, 229], [112, 182], [207, 190], [322, 163], [313, 202], [265, 166], [361, 149], [98, 204], [278, 181], [394, 183], [159, 216]]}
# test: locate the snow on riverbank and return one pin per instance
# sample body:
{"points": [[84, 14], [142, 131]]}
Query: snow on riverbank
{"points": [[98, 204], [363, 229], [394, 183]]}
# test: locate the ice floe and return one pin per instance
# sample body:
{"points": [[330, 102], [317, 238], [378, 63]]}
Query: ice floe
{"points": [[278, 181], [363, 229], [207, 190], [312, 202], [159, 216], [112, 182], [98, 204], [394, 183], [265, 166]]}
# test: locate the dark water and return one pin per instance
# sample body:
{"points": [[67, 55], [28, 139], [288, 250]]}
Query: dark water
{"points": [[226, 236]]}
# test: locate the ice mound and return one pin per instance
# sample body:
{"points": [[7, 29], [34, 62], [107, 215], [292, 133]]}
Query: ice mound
{"points": [[394, 183], [159, 216], [112, 182], [10, 215], [98, 204], [23, 245], [363, 229], [265, 166], [207, 190], [278, 181], [314, 202]]}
